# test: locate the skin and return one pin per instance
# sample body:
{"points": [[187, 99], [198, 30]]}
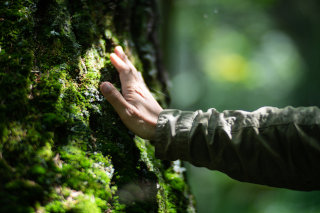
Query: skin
{"points": [[136, 106]]}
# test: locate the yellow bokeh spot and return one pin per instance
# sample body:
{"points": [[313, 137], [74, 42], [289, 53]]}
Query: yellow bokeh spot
{"points": [[230, 67]]}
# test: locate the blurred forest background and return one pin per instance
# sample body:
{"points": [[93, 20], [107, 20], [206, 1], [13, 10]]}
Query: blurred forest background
{"points": [[231, 54]]}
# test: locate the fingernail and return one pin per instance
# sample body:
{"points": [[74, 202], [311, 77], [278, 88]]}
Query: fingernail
{"points": [[106, 87], [119, 47], [112, 55]]}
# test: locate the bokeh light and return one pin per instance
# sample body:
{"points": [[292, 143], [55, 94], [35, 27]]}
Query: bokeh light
{"points": [[229, 54]]}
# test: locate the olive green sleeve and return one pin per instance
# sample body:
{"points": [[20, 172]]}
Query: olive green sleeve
{"points": [[271, 146]]}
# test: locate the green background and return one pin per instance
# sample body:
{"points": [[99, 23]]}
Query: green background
{"points": [[231, 54]]}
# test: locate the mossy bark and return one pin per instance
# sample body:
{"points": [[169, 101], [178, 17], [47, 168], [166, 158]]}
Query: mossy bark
{"points": [[63, 148]]}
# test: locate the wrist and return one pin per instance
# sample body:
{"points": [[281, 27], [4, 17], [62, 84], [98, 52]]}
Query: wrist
{"points": [[154, 123]]}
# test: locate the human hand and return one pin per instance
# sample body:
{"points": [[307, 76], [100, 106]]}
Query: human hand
{"points": [[136, 106]]}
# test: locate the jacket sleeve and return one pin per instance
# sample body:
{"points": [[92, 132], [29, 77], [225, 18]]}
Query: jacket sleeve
{"points": [[270, 146]]}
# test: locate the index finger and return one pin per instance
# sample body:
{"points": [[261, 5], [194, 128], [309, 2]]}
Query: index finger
{"points": [[119, 64], [119, 51], [126, 74]]}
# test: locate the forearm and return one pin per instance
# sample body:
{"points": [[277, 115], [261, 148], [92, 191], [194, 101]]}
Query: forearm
{"points": [[277, 147]]}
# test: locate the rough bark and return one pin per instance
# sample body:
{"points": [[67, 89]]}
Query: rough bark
{"points": [[63, 148]]}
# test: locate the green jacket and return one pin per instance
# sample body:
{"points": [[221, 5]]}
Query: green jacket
{"points": [[271, 146]]}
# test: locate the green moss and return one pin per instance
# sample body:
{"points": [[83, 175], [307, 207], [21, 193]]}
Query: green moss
{"points": [[54, 207], [173, 193], [85, 205], [63, 148]]}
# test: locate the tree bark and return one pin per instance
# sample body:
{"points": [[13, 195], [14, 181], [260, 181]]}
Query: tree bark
{"points": [[63, 148]]}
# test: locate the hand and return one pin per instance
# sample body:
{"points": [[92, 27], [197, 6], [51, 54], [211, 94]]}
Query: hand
{"points": [[136, 106]]}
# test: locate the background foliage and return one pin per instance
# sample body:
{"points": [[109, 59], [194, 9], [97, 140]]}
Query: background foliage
{"points": [[230, 54]]}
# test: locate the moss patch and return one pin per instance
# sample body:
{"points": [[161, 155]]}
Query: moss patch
{"points": [[63, 148]]}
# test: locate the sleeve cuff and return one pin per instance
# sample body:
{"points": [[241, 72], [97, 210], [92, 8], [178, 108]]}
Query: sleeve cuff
{"points": [[172, 134]]}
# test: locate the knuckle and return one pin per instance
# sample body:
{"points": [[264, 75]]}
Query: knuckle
{"points": [[130, 70], [131, 88], [130, 112], [130, 98]]}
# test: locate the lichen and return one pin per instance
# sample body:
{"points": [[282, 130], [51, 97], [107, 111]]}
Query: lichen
{"points": [[62, 146]]}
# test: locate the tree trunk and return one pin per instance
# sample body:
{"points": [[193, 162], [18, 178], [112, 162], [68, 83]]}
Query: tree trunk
{"points": [[63, 148]]}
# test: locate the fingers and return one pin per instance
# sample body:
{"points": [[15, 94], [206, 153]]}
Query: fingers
{"points": [[120, 53], [128, 73], [120, 65], [115, 98]]}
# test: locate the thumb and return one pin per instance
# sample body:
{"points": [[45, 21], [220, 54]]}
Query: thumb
{"points": [[114, 97]]}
